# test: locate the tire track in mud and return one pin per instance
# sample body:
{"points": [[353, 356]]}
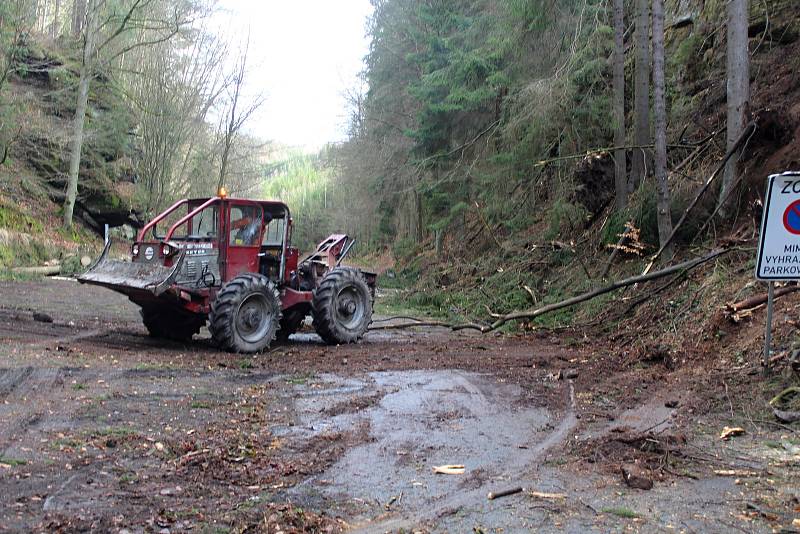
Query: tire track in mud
{"points": [[10, 379], [88, 334], [473, 497], [27, 393]]}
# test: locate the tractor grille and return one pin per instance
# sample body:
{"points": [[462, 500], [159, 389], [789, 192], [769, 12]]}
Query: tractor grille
{"points": [[195, 268], [199, 270]]}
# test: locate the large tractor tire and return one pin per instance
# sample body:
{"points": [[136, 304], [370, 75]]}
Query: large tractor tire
{"points": [[171, 324], [342, 306], [246, 314]]}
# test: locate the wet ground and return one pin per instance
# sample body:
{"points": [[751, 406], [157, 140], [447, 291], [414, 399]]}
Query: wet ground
{"points": [[103, 428]]}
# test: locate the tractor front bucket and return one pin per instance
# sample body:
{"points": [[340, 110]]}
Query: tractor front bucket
{"points": [[131, 278]]}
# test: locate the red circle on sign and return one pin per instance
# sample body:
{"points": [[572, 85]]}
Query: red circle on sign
{"points": [[791, 218]]}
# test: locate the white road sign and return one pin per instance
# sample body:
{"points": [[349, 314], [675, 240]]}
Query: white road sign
{"points": [[779, 243]]}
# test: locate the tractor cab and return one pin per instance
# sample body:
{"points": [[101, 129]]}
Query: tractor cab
{"points": [[218, 239]]}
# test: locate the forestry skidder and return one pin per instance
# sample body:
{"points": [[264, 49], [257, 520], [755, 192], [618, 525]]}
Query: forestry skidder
{"points": [[230, 262]]}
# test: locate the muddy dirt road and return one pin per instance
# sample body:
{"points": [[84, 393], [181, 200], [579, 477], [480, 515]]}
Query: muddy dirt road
{"points": [[105, 429]]}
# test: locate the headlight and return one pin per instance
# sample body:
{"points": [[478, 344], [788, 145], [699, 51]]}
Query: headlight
{"points": [[135, 250], [166, 250]]}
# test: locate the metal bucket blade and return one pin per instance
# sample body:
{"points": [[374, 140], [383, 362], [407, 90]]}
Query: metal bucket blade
{"points": [[130, 277]]}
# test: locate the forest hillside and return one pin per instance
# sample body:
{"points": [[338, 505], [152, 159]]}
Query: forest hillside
{"points": [[479, 155], [481, 152]]}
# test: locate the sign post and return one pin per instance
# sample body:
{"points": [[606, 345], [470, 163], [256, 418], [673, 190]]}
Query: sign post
{"points": [[779, 242], [768, 334]]}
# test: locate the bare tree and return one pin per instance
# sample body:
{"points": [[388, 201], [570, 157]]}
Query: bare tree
{"points": [[89, 44], [114, 29], [56, 15], [173, 95], [738, 88], [620, 178], [660, 112], [235, 116], [641, 105], [78, 16]]}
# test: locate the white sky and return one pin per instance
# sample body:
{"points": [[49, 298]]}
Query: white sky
{"points": [[304, 55]]}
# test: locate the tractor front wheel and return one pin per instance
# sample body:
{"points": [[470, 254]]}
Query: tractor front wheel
{"points": [[246, 314], [342, 306], [171, 324]]}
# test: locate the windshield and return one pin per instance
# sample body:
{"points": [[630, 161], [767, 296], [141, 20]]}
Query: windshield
{"points": [[204, 225]]}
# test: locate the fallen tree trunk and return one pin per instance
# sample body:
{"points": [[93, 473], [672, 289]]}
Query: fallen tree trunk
{"points": [[757, 300], [45, 270], [416, 322], [531, 314]]}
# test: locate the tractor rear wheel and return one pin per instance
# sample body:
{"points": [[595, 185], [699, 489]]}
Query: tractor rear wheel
{"points": [[246, 314], [342, 306], [170, 323]]}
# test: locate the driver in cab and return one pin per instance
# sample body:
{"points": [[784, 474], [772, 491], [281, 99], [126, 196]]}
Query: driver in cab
{"points": [[248, 229]]}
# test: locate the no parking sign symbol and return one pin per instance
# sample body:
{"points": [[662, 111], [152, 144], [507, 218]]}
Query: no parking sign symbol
{"points": [[791, 218]]}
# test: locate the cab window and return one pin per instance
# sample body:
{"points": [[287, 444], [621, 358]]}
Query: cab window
{"points": [[245, 226], [273, 234]]}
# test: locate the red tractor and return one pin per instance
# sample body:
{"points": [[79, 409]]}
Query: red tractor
{"points": [[230, 262]]}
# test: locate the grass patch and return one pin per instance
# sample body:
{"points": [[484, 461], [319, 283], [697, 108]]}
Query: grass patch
{"points": [[300, 379], [114, 431], [13, 219], [128, 478], [12, 461], [621, 511], [78, 387], [201, 405], [154, 367], [400, 304], [65, 443]]}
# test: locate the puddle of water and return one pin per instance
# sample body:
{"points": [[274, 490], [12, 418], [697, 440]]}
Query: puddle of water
{"points": [[425, 419]]}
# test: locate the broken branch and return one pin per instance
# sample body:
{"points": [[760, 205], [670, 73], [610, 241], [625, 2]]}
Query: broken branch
{"points": [[497, 494], [531, 314], [417, 322]]}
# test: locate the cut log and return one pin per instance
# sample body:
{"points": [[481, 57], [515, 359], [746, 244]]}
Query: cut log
{"points": [[757, 300], [45, 270]]}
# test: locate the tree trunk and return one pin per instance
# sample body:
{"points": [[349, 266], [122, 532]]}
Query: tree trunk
{"points": [[32, 15], [78, 16], [420, 233], [620, 179], [660, 112], [86, 74], [641, 105], [738, 72], [56, 15]]}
